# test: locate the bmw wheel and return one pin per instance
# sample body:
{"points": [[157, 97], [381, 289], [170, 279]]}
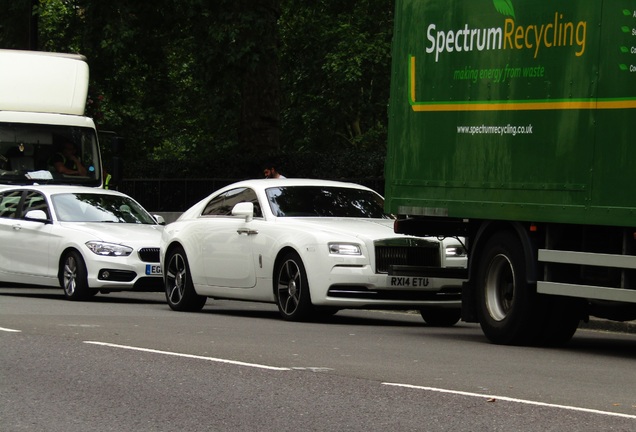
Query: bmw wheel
{"points": [[73, 277]]}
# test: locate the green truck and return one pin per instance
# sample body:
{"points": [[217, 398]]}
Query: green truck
{"points": [[512, 124]]}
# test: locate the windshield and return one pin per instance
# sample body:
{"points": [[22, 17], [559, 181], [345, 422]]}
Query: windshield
{"points": [[36, 153], [326, 202], [80, 207]]}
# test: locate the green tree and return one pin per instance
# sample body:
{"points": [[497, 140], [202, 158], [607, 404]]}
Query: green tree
{"points": [[200, 88], [183, 80], [18, 26], [336, 63]]}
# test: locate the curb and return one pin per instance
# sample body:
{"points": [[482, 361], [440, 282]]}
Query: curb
{"points": [[609, 326]]}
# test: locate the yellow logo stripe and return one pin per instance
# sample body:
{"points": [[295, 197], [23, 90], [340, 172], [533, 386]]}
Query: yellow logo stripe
{"points": [[512, 105]]}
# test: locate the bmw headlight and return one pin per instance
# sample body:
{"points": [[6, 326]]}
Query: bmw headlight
{"points": [[108, 249], [344, 249]]}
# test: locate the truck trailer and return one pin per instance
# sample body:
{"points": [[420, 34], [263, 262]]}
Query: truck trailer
{"points": [[512, 124], [42, 109]]}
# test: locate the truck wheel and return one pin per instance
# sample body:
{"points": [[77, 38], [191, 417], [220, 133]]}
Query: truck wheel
{"points": [[507, 304], [441, 317], [561, 320]]}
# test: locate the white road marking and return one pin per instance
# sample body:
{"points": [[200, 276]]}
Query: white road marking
{"points": [[313, 369], [432, 389], [10, 330], [175, 354], [509, 399], [80, 325]]}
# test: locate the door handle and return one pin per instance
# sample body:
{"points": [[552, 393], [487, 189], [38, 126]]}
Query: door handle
{"points": [[246, 231]]}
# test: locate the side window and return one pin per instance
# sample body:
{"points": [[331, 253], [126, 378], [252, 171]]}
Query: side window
{"points": [[35, 201], [222, 204], [219, 205], [9, 202], [248, 195]]}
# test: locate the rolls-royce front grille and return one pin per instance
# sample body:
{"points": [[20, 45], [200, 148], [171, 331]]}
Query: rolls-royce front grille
{"points": [[387, 256]]}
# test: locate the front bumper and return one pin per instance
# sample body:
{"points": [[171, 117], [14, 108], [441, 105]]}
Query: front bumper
{"points": [[350, 287], [124, 273]]}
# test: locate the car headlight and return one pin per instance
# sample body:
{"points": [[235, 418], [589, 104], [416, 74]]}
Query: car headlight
{"points": [[344, 249], [455, 252], [108, 249]]}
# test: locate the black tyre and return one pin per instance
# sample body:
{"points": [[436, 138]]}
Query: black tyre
{"points": [[561, 320], [180, 292], [508, 308], [292, 289], [441, 317], [74, 277]]}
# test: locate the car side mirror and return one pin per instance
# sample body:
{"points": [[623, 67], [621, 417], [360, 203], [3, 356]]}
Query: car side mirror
{"points": [[244, 209], [36, 216], [160, 220]]}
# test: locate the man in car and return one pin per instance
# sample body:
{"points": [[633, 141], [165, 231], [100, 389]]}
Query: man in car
{"points": [[67, 162]]}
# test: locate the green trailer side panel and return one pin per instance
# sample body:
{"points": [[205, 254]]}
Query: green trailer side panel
{"points": [[514, 110]]}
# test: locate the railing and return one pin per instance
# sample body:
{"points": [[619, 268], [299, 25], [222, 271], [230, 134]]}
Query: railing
{"points": [[177, 195]]}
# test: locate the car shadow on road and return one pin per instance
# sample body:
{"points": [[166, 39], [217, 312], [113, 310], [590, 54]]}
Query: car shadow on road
{"points": [[603, 343], [53, 293], [345, 317], [607, 344]]}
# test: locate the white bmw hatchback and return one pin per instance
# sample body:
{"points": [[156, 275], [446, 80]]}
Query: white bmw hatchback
{"points": [[85, 240], [310, 247]]}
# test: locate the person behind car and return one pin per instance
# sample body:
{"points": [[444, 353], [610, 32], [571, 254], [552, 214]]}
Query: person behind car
{"points": [[270, 172]]}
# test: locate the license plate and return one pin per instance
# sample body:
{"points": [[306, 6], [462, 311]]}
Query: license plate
{"points": [[153, 269], [408, 281]]}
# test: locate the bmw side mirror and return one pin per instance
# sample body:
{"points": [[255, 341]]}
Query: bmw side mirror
{"points": [[37, 216]]}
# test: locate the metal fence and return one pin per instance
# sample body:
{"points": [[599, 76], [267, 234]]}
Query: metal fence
{"points": [[177, 195]]}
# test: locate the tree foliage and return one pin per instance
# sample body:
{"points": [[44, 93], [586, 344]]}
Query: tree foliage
{"points": [[336, 59], [16, 24], [202, 88]]}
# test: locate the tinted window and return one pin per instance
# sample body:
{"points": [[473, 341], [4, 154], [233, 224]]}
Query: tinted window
{"points": [[9, 204], [221, 205], [35, 201], [99, 208], [325, 202]]}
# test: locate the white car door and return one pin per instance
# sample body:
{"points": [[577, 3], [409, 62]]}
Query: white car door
{"points": [[32, 256], [226, 256], [225, 247], [9, 202], [25, 243]]}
